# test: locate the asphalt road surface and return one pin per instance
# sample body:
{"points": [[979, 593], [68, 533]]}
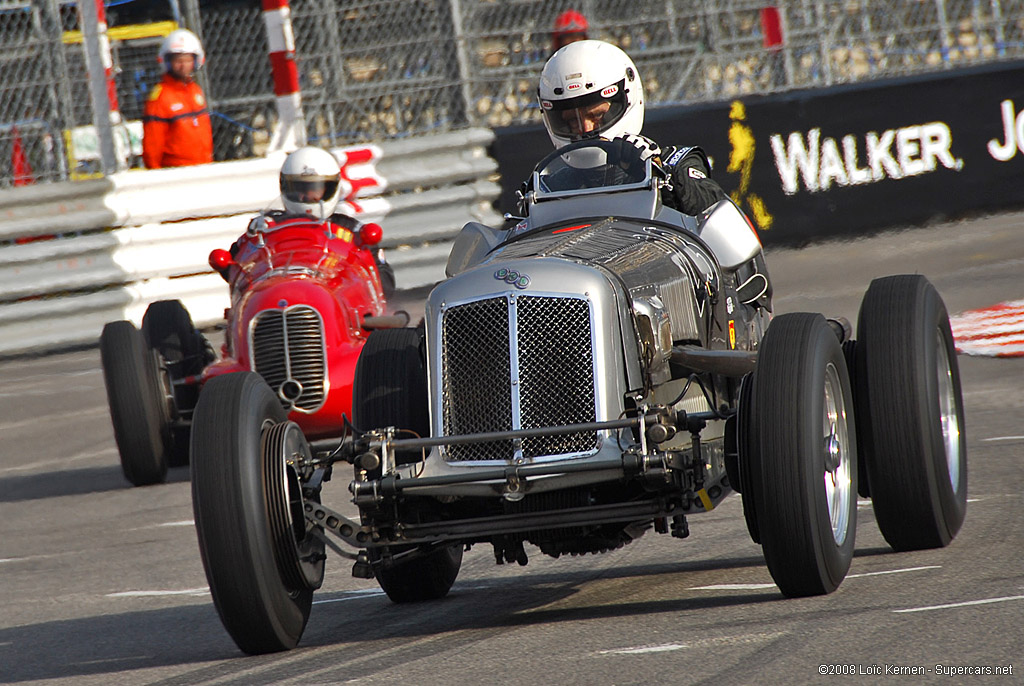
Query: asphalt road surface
{"points": [[101, 583]]}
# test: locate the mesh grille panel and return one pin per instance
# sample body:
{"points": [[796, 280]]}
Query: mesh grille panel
{"points": [[291, 346], [556, 372], [477, 393], [555, 368]]}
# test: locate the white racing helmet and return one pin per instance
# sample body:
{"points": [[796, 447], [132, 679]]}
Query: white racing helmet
{"points": [[310, 183], [180, 42], [594, 80]]}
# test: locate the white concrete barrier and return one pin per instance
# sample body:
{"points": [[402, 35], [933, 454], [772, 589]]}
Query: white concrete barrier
{"points": [[76, 255]]}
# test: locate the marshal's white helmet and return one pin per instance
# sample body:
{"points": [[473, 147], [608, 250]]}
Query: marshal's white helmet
{"points": [[594, 80], [179, 42], [310, 183]]}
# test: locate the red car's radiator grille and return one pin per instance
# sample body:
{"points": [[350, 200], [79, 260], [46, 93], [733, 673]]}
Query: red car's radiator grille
{"points": [[541, 375], [288, 351]]}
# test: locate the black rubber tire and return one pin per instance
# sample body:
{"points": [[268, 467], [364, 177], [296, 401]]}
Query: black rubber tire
{"points": [[390, 389], [129, 372], [233, 501], [168, 329], [748, 463], [801, 381], [916, 432], [863, 416], [428, 577]]}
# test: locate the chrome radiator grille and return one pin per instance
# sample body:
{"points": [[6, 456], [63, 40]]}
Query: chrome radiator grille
{"points": [[288, 351], [543, 375], [476, 377]]}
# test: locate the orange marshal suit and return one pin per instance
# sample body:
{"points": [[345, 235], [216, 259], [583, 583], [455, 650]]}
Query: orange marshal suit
{"points": [[176, 126]]}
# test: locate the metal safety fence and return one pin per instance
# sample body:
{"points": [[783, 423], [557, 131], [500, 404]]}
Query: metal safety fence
{"points": [[371, 70]]}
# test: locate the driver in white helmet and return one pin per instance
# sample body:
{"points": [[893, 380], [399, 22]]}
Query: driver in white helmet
{"points": [[591, 89], [176, 129], [310, 184]]}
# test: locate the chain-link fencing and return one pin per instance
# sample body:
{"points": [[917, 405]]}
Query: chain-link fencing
{"points": [[377, 69]]}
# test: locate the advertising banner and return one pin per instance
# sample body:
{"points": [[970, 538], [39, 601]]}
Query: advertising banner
{"points": [[844, 160]]}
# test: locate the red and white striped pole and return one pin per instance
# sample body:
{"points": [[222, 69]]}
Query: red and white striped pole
{"points": [[291, 129]]}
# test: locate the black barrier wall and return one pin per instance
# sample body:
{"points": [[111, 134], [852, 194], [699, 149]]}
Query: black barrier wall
{"points": [[843, 160]]}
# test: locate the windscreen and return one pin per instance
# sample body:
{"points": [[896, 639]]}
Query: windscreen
{"points": [[590, 165]]}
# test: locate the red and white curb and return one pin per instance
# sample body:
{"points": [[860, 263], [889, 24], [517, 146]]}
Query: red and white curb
{"points": [[996, 331]]}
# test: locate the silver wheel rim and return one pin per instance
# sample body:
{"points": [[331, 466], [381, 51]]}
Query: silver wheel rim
{"points": [[838, 483], [948, 412]]}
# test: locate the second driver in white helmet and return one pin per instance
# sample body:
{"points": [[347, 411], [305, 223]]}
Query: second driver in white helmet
{"points": [[591, 89], [310, 183]]}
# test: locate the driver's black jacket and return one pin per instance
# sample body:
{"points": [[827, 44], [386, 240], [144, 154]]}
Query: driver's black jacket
{"points": [[692, 190]]}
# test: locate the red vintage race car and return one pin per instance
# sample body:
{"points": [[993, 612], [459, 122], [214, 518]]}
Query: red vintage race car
{"points": [[304, 296]]}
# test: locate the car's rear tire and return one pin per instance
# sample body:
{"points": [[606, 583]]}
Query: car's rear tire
{"points": [[390, 389], [168, 329], [916, 447], [428, 577], [805, 480], [261, 559], [130, 375]]}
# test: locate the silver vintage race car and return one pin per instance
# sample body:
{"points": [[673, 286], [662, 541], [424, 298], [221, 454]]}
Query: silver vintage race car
{"points": [[605, 368]]}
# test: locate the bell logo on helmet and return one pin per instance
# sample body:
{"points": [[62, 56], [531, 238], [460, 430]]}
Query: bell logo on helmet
{"points": [[546, 104], [609, 91], [574, 87]]}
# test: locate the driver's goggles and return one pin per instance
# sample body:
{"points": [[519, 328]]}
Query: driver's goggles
{"points": [[600, 109], [307, 189]]}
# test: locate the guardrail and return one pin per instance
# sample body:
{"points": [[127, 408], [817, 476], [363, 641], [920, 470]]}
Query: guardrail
{"points": [[74, 256]]}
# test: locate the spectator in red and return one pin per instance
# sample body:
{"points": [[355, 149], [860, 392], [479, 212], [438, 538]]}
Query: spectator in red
{"points": [[570, 26], [176, 129]]}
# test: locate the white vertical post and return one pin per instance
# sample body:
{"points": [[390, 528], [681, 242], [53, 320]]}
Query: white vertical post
{"points": [[462, 56], [940, 8], [102, 88], [1000, 30]]}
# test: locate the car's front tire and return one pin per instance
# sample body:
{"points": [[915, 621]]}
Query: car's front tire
{"points": [[168, 329], [748, 463], [804, 480], [261, 559]]}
